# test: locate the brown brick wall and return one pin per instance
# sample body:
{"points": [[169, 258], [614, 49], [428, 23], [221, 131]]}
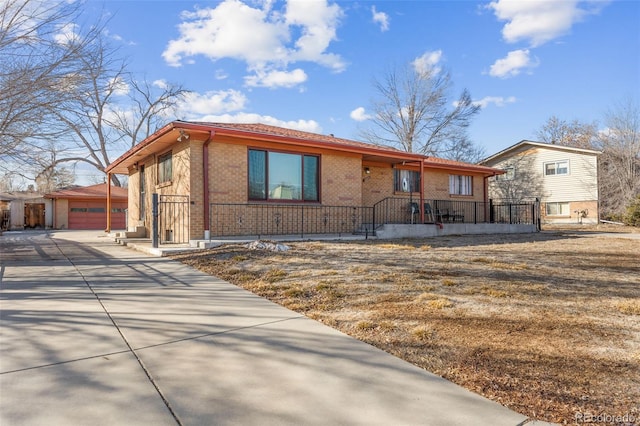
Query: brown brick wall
{"points": [[437, 186], [341, 180], [227, 173], [590, 206], [377, 185]]}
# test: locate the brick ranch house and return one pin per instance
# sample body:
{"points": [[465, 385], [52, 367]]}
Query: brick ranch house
{"points": [[217, 179]]}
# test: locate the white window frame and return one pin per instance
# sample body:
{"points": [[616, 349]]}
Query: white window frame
{"points": [[510, 174], [460, 185], [556, 168], [558, 209]]}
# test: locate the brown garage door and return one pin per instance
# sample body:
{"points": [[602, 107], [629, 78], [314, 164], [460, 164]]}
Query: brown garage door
{"points": [[93, 215]]}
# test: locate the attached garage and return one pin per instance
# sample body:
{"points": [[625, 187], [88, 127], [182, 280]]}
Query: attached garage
{"points": [[86, 207]]}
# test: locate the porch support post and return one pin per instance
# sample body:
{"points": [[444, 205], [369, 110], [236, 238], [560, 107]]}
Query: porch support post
{"points": [[422, 182], [108, 229]]}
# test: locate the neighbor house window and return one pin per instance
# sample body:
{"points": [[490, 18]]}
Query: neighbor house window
{"points": [[510, 173], [460, 185], [557, 209], [556, 168], [165, 168], [283, 176], [406, 181]]}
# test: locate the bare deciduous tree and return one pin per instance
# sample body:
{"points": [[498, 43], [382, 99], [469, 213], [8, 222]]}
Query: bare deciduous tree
{"points": [[561, 132], [37, 59], [413, 113], [619, 171], [70, 87]]}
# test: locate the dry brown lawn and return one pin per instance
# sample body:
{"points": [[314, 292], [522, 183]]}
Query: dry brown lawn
{"points": [[546, 324]]}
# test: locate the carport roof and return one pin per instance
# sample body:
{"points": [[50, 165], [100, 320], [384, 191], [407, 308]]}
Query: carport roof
{"points": [[98, 192]]}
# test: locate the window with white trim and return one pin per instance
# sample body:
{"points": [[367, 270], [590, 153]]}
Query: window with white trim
{"points": [[558, 209], [510, 174], [556, 168], [460, 185]]}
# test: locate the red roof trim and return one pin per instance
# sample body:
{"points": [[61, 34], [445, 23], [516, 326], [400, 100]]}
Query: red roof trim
{"points": [[267, 133]]}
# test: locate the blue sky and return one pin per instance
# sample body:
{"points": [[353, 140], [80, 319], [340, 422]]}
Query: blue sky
{"points": [[309, 64]]}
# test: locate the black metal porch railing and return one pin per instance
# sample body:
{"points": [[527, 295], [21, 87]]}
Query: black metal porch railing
{"points": [[303, 219], [408, 210], [288, 219]]}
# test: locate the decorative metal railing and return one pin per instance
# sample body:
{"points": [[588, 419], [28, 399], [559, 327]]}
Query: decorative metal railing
{"points": [[287, 219], [262, 219]]}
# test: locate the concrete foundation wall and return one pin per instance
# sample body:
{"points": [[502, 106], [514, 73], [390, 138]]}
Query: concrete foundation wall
{"points": [[391, 231]]}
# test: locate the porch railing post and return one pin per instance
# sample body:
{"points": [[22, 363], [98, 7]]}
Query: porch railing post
{"points": [[491, 215], [154, 220]]}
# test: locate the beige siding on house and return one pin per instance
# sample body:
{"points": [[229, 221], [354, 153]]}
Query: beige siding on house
{"points": [[578, 188], [579, 184]]}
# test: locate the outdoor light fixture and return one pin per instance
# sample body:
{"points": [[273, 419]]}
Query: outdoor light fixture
{"points": [[367, 170], [182, 136]]}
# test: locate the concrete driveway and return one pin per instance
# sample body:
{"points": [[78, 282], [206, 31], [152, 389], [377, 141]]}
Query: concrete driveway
{"points": [[94, 333]]}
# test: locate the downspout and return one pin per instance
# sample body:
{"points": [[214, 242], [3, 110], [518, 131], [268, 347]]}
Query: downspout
{"points": [[108, 230], [205, 186]]}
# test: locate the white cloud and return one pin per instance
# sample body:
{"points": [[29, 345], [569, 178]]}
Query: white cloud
{"points": [[541, 21], [266, 40], [243, 117], [317, 21], [428, 62], [274, 79], [380, 18], [66, 33], [160, 84], [359, 114], [498, 101], [119, 86], [512, 64], [212, 102]]}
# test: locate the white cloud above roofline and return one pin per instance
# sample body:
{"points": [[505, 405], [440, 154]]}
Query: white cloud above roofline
{"points": [[359, 114], [538, 22], [311, 126], [513, 64], [299, 32], [380, 18]]}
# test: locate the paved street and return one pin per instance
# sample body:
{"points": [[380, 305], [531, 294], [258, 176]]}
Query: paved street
{"points": [[95, 333]]}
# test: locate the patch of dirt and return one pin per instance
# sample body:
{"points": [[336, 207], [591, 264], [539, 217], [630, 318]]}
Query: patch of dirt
{"points": [[546, 324]]}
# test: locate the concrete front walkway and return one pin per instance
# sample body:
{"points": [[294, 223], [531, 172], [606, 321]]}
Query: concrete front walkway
{"points": [[95, 333]]}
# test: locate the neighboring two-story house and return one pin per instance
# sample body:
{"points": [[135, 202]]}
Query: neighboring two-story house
{"points": [[563, 178]]}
